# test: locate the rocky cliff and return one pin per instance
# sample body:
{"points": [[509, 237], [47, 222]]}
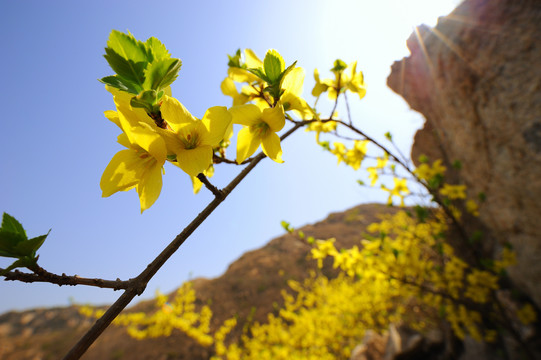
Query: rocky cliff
{"points": [[476, 77]]}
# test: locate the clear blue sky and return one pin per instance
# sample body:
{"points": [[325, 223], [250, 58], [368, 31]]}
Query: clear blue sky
{"points": [[55, 141]]}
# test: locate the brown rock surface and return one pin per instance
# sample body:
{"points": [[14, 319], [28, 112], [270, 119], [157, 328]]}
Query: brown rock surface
{"points": [[476, 77]]}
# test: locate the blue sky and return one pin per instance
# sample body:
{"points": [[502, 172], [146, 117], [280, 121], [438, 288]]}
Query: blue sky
{"points": [[55, 141]]}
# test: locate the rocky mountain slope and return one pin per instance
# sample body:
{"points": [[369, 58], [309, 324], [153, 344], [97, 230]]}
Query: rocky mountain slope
{"points": [[253, 281]]}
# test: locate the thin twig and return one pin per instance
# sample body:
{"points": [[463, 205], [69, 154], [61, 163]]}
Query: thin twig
{"points": [[64, 279], [213, 189]]}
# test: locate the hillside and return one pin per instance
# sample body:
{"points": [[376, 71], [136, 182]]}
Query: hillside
{"points": [[252, 281]]}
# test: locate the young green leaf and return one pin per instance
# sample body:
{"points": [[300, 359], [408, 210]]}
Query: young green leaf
{"points": [[157, 49], [29, 247], [260, 74], [161, 73], [128, 47], [9, 223], [120, 83], [274, 65], [8, 241], [131, 71]]}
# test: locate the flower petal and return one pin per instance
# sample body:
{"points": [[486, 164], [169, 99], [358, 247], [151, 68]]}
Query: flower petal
{"points": [[112, 116], [175, 113], [150, 186], [247, 143], [121, 174], [216, 121], [148, 140], [271, 147], [195, 161], [251, 59], [246, 115], [241, 75], [293, 82], [274, 117], [228, 87]]}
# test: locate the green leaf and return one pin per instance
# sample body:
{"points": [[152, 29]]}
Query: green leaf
{"points": [[128, 69], [9, 223], [234, 61], [8, 242], [339, 65], [260, 74], [161, 73], [457, 164], [120, 83], [274, 65], [18, 263], [389, 136], [128, 47], [29, 247], [157, 49]]}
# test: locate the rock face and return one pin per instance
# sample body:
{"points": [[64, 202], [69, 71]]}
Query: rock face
{"points": [[476, 77]]}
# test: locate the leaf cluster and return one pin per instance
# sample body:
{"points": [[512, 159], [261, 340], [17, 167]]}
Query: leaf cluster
{"points": [[14, 243], [143, 69]]}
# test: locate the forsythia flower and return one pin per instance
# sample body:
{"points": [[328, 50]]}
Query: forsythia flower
{"points": [[345, 78], [427, 172], [192, 140], [292, 96], [228, 88], [260, 127], [527, 314], [454, 191], [140, 166], [400, 188]]}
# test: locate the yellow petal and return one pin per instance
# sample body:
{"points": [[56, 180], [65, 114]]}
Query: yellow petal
{"points": [[241, 75], [150, 186], [271, 147], [216, 120], [121, 173], [112, 116], [293, 82], [123, 140], [175, 113], [148, 140], [274, 117], [251, 59], [196, 184], [247, 144], [228, 87], [246, 115], [195, 161]]}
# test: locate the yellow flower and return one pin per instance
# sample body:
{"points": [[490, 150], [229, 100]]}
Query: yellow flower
{"points": [[228, 88], [320, 86], [527, 314], [345, 78], [454, 191], [400, 188], [251, 61], [353, 80], [140, 166], [292, 96], [192, 140], [260, 127]]}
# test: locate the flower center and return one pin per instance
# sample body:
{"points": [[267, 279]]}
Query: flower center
{"points": [[190, 141], [260, 129]]}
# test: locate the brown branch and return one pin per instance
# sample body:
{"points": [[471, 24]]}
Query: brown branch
{"points": [[60, 280], [213, 189], [139, 284]]}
